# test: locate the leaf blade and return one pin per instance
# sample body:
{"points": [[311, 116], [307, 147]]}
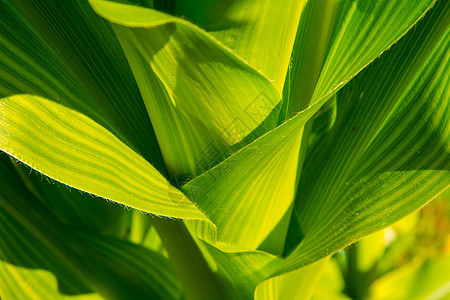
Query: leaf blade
{"points": [[214, 98], [367, 169], [86, 156]]}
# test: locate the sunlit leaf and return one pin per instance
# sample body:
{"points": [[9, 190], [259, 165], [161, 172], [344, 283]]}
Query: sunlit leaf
{"points": [[255, 30], [71, 148], [243, 195], [368, 172], [212, 97], [64, 52], [80, 262]]}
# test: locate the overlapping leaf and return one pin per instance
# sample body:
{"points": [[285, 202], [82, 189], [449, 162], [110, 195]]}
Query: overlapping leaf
{"points": [[66, 53], [242, 271], [309, 52], [337, 39], [255, 30], [212, 98], [244, 196], [63, 51], [361, 32], [71, 148], [207, 99], [388, 152], [80, 262]]}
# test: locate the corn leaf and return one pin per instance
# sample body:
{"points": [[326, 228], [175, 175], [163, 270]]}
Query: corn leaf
{"points": [[243, 195], [309, 52], [80, 262], [66, 53], [216, 189], [240, 271], [361, 177], [213, 98], [255, 30], [337, 39], [362, 31], [73, 149], [375, 149]]}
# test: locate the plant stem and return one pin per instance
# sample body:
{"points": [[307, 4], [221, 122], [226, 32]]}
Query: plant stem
{"points": [[357, 282], [197, 279], [310, 49]]}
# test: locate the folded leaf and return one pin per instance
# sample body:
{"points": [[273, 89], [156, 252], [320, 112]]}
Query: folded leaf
{"points": [[212, 97], [246, 195], [261, 32], [240, 271]]}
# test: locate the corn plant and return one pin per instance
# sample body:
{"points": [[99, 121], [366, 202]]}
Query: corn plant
{"points": [[211, 149]]}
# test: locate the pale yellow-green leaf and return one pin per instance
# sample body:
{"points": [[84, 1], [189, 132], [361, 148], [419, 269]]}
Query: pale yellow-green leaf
{"points": [[201, 97], [71, 148]]}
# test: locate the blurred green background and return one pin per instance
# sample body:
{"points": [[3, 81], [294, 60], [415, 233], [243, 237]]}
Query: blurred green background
{"points": [[408, 260]]}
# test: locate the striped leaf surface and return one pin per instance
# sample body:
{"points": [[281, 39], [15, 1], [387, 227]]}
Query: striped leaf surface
{"points": [[212, 97], [83, 265], [64, 52], [388, 153], [380, 152], [73, 149], [255, 30], [361, 32], [245, 196]]}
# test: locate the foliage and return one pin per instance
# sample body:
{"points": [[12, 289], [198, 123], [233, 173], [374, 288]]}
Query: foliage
{"points": [[247, 140]]}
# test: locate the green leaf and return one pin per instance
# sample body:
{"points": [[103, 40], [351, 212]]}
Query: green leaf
{"points": [[63, 51], [388, 152], [337, 39], [255, 30], [299, 284], [362, 31], [212, 97], [22, 283], [244, 196], [242, 271], [323, 122], [82, 262], [73, 149], [73, 208], [309, 52]]}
